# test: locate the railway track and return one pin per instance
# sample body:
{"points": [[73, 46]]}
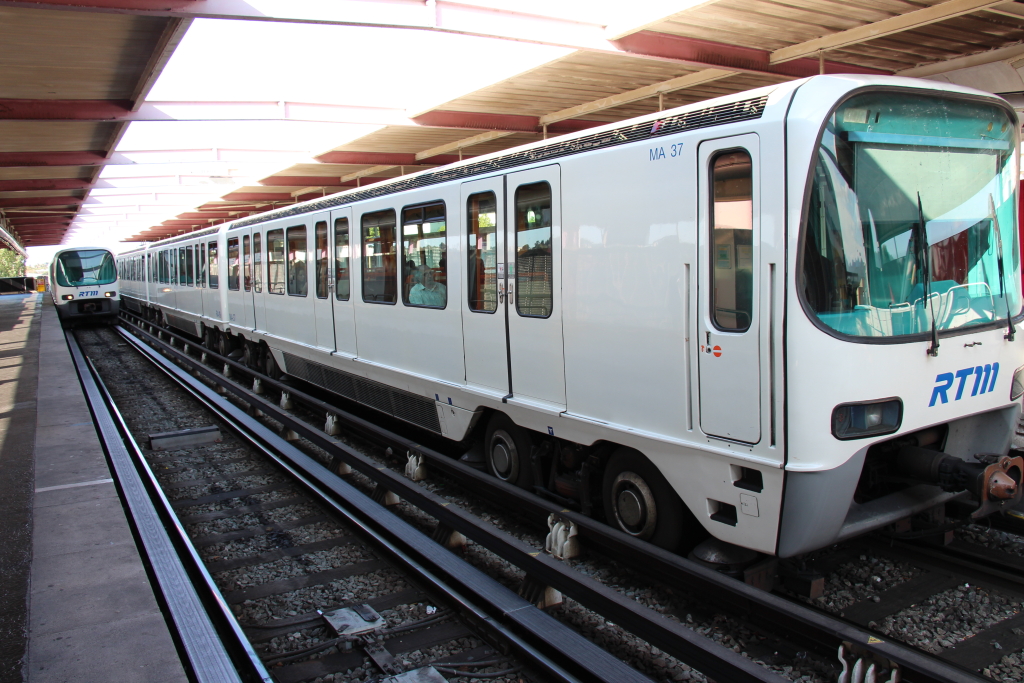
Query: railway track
{"points": [[771, 616], [320, 587]]}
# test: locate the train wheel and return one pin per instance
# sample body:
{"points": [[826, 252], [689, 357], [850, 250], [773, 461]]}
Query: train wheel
{"points": [[270, 366], [639, 501], [250, 355], [507, 447], [224, 345]]}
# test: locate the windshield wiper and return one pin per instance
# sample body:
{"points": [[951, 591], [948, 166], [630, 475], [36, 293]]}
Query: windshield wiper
{"points": [[921, 242], [1009, 336]]}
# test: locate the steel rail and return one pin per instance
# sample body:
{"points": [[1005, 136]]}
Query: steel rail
{"points": [[546, 643], [781, 616], [212, 652]]}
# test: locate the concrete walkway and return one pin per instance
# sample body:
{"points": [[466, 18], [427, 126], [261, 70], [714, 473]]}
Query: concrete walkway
{"points": [[92, 614]]}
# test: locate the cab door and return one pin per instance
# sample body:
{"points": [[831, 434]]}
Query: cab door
{"points": [[341, 283], [234, 278], [728, 322], [534, 286], [485, 311]]}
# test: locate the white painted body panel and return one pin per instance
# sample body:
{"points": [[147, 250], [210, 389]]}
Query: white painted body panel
{"points": [[619, 359]]}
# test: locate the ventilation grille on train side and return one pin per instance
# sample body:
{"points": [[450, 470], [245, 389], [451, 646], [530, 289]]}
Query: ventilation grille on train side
{"points": [[717, 115], [182, 324], [418, 410]]}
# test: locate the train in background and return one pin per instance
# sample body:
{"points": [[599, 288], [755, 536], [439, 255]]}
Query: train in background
{"points": [[778, 319], [84, 286]]}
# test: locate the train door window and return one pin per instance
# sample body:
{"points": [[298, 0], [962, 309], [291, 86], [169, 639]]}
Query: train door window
{"points": [[233, 263], [161, 267], [380, 272], [181, 266], [211, 251], [322, 268], [257, 263], [149, 267], [732, 251], [190, 268], [246, 263], [201, 260], [275, 261], [172, 262], [341, 281], [482, 210], [533, 251], [424, 256], [298, 279]]}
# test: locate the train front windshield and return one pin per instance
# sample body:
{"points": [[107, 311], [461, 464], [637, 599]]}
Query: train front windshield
{"points": [[912, 219], [88, 267]]}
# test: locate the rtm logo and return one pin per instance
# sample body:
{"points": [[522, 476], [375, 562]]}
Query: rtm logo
{"points": [[984, 382]]}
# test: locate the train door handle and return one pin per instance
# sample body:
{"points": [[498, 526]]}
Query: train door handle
{"points": [[501, 292]]}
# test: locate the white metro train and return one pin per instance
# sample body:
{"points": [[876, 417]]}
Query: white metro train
{"points": [[779, 318], [84, 286]]}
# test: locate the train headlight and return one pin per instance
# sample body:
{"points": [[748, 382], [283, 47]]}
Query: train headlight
{"points": [[108, 294], [1017, 385], [870, 418], [68, 297]]}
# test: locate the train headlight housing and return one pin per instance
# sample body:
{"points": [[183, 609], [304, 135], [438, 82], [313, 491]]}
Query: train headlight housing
{"points": [[68, 297], [1017, 385], [108, 294], [868, 418]]}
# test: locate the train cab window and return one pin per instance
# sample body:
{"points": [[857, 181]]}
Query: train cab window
{"points": [[341, 281], [190, 267], [482, 210], [246, 263], [380, 272], [732, 251], [298, 279], [322, 269], [424, 256], [257, 263], [275, 261], [233, 263], [533, 251], [211, 251]]}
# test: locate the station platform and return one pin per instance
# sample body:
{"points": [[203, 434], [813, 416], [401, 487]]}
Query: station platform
{"points": [[76, 603]]}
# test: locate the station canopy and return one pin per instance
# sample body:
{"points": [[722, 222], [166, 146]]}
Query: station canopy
{"points": [[135, 120]]}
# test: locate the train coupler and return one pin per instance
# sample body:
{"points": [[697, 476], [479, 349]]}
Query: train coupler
{"points": [[993, 480]]}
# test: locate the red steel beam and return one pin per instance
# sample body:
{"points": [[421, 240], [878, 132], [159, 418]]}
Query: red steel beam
{"points": [[28, 185], [64, 110], [258, 197], [40, 201], [92, 158], [301, 181], [382, 158]]}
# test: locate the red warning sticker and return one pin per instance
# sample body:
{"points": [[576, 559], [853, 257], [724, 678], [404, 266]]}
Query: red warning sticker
{"points": [[717, 351]]}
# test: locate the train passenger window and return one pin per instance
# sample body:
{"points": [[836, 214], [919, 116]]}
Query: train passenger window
{"points": [[257, 263], [201, 260], [732, 250], [482, 210], [533, 250], [190, 271], [341, 282], [424, 256], [322, 270], [233, 263], [211, 251], [298, 279], [380, 272], [275, 261], [246, 264]]}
